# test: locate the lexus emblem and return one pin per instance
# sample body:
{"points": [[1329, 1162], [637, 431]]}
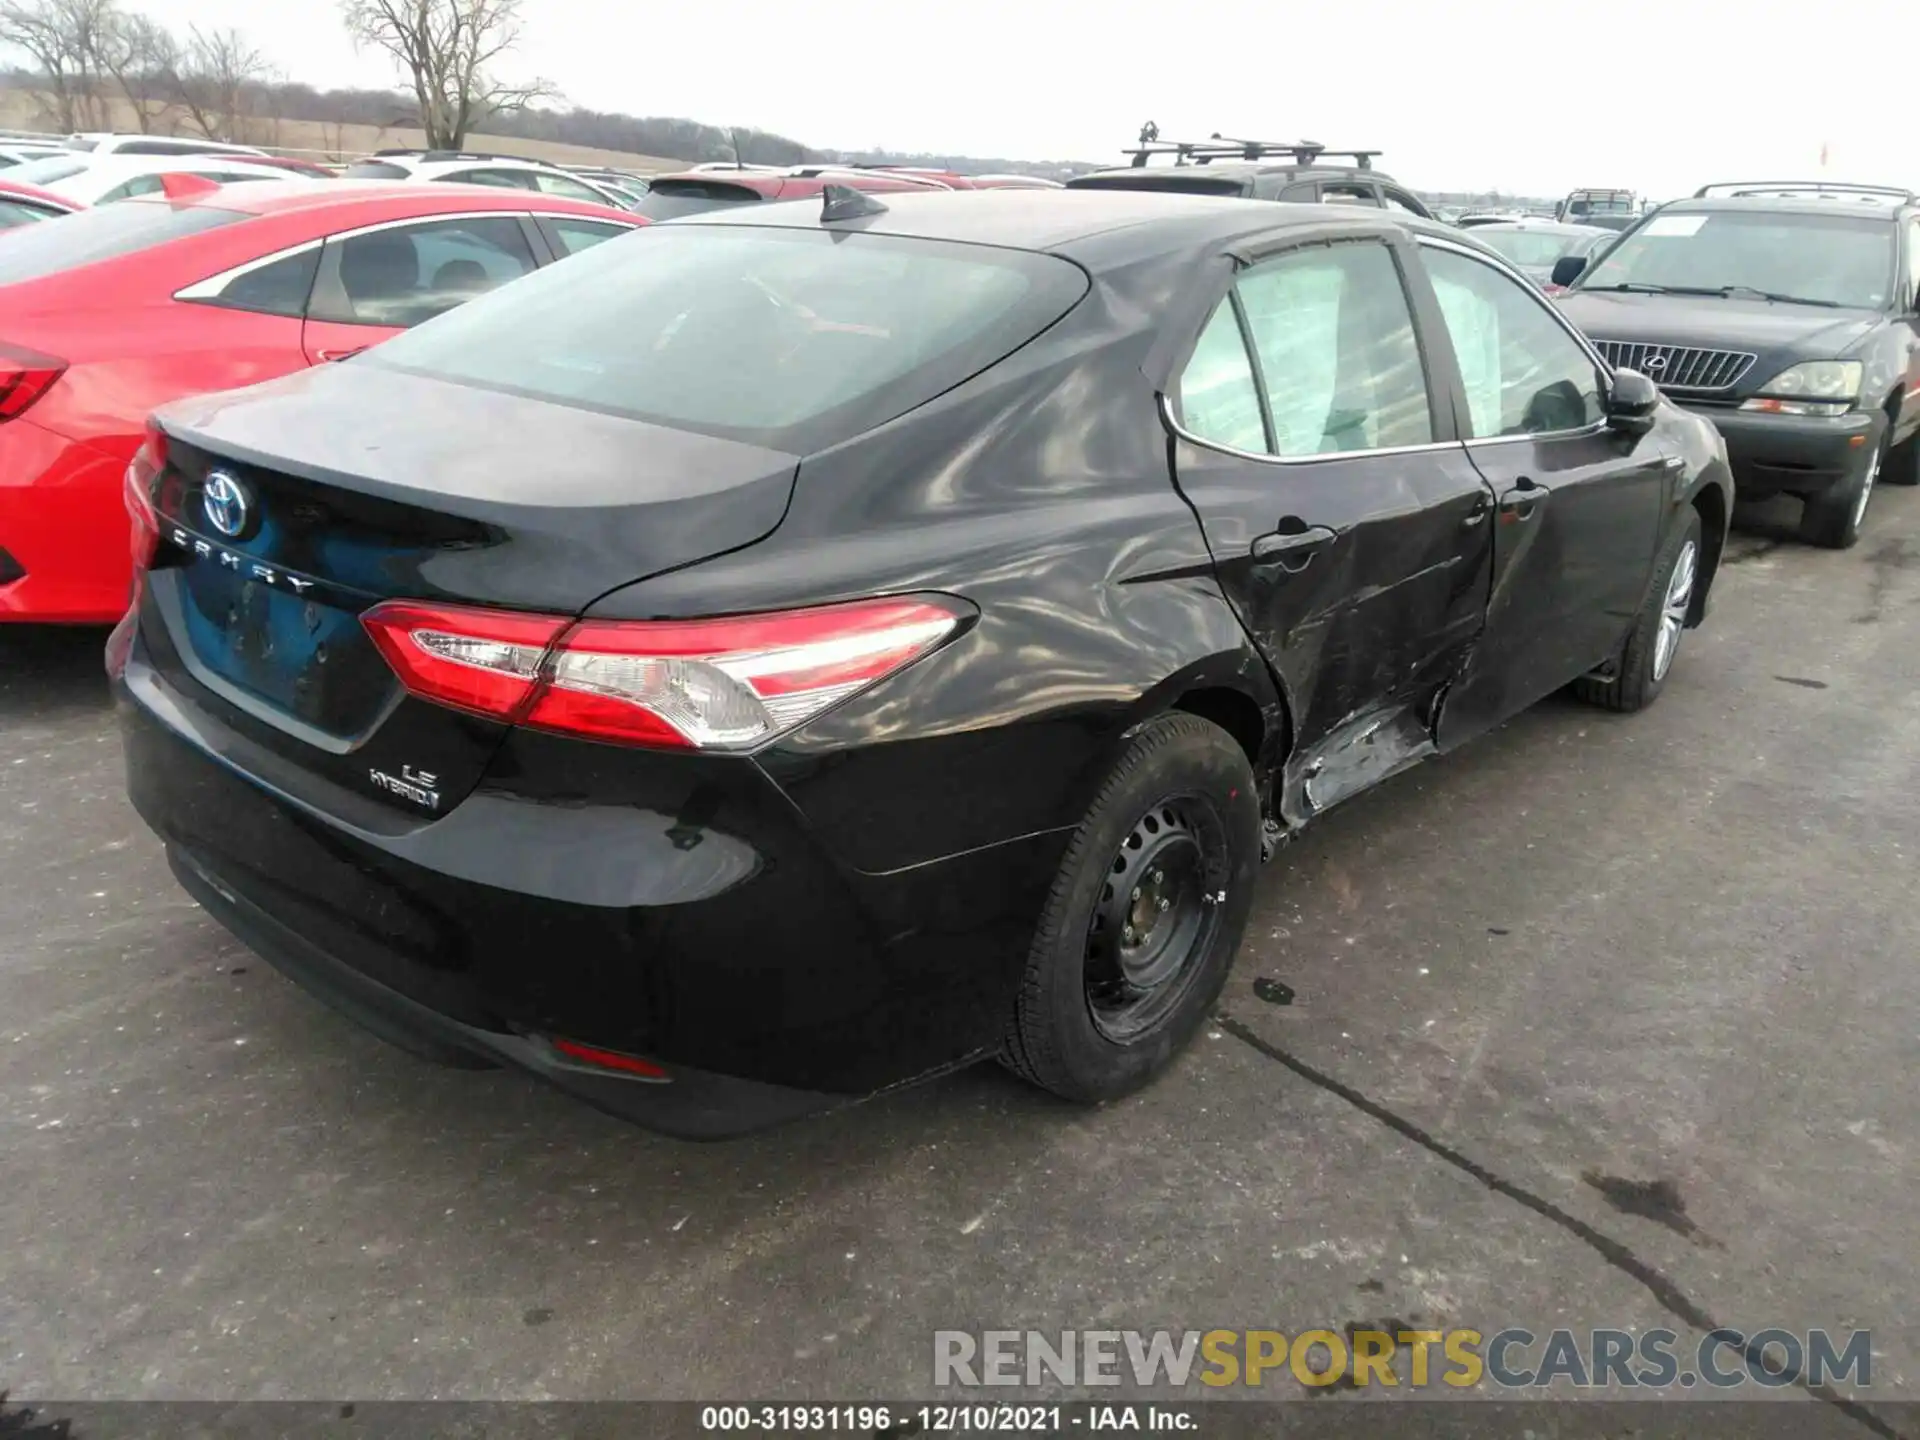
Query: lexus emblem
{"points": [[225, 501], [1654, 362]]}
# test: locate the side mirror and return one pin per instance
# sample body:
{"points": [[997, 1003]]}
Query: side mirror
{"points": [[1631, 402], [1568, 268]]}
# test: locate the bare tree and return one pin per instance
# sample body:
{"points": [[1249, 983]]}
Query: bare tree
{"points": [[65, 39], [220, 82], [141, 58], [447, 49]]}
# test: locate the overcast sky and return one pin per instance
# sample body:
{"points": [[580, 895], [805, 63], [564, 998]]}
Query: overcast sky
{"points": [[1655, 95]]}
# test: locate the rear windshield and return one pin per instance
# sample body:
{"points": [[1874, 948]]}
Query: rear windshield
{"points": [[791, 339], [1844, 260], [46, 171], [670, 199], [90, 236], [1181, 184], [374, 170]]}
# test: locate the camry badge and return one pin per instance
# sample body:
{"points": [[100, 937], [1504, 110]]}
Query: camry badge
{"points": [[225, 501]]}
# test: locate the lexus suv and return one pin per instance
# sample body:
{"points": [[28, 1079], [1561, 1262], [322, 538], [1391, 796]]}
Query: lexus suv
{"points": [[1789, 315], [1297, 171]]}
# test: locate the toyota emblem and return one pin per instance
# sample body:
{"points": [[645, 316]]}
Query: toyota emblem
{"points": [[225, 501]]}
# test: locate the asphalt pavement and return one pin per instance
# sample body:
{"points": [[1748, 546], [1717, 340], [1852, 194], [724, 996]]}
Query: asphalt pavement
{"points": [[1604, 1021]]}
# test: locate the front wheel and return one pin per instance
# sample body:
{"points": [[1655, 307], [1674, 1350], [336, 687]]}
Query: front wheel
{"points": [[1144, 917], [1832, 519], [1647, 657]]}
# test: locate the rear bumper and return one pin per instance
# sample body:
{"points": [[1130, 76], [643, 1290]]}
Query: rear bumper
{"points": [[64, 528], [692, 1104], [718, 939], [1797, 454]]}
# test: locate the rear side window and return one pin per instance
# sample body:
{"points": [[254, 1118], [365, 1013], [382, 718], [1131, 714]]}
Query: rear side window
{"points": [[792, 339], [374, 170], [566, 185], [163, 147], [279, 288], [405, 274], [1333, 345], [670, 199], [104, 233]]}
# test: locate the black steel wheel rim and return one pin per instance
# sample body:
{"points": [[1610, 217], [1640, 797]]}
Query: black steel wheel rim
{"points": [[1157, 915]]}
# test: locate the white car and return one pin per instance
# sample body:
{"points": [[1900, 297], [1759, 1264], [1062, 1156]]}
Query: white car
{"points": [[90, 179], [19, 152], [101, 143], [461, 167]]}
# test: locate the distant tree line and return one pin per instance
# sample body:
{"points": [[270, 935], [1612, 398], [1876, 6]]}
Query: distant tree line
{"points": [[88, 61]]}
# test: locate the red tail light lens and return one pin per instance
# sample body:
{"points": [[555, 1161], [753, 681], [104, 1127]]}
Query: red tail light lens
{"points": [[704, 684], [148, 463], [25, 375], [610, 1060]]}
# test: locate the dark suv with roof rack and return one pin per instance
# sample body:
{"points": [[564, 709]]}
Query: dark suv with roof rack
{"points": [[1257, 170], [1788, 313]]}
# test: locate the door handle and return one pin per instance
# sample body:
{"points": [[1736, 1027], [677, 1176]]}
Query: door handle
{"points": [[1521, 501], [1482, 507], [328, 357], [1291, 549]]}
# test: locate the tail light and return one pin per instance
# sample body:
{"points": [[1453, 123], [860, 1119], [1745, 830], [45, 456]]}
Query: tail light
{"points": [[148, 463], [617, 1060], [25, 375], [698, 684]]}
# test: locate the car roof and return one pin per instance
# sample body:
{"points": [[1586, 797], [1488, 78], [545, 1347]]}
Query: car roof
{"points": [[1876, 207], [1060, 220], [1546, 227], [289, 196]]}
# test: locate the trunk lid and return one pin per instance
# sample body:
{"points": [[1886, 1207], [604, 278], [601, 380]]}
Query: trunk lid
{"points": [[288, 510]]}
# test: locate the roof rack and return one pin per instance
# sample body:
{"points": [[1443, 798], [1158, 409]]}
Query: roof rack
{"points": [[1223, 147], [1735, 189]]}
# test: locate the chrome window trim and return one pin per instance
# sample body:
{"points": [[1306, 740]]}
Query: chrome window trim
{"points": [[210, 288], [1173, 424], [1604, 370]]}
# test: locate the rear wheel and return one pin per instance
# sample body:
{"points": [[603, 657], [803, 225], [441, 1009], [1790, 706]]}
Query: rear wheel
{"points": [[1647, 658], [1144, 917], [1832, 518]]}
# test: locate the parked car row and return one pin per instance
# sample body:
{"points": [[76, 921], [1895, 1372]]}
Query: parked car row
{"points": [[801, 647]]}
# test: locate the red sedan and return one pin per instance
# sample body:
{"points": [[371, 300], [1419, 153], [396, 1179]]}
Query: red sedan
{"points": [[112, 311]]}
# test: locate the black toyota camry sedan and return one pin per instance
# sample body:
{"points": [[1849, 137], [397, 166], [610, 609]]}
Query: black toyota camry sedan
{"points": [[782, 655]]}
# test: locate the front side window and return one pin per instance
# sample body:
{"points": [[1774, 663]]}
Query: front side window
{"points": [[549, 184], [504, 179], [1913, 263], [18, 212], [401, 276], [1532, 249], [575, 234], [1522, 372], [1818, 259]]}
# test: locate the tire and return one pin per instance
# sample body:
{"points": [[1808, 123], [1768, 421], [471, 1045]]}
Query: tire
{"points": [[1097, 1018], [1645, 661], [1903, 463], [1832, 518]]}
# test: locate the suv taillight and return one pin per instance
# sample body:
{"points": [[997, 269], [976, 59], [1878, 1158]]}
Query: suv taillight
{"points": [[726, 684], [25, 375]]}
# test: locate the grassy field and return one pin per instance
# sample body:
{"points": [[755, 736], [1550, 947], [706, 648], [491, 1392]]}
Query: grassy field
{"points": [[21, 110]]}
